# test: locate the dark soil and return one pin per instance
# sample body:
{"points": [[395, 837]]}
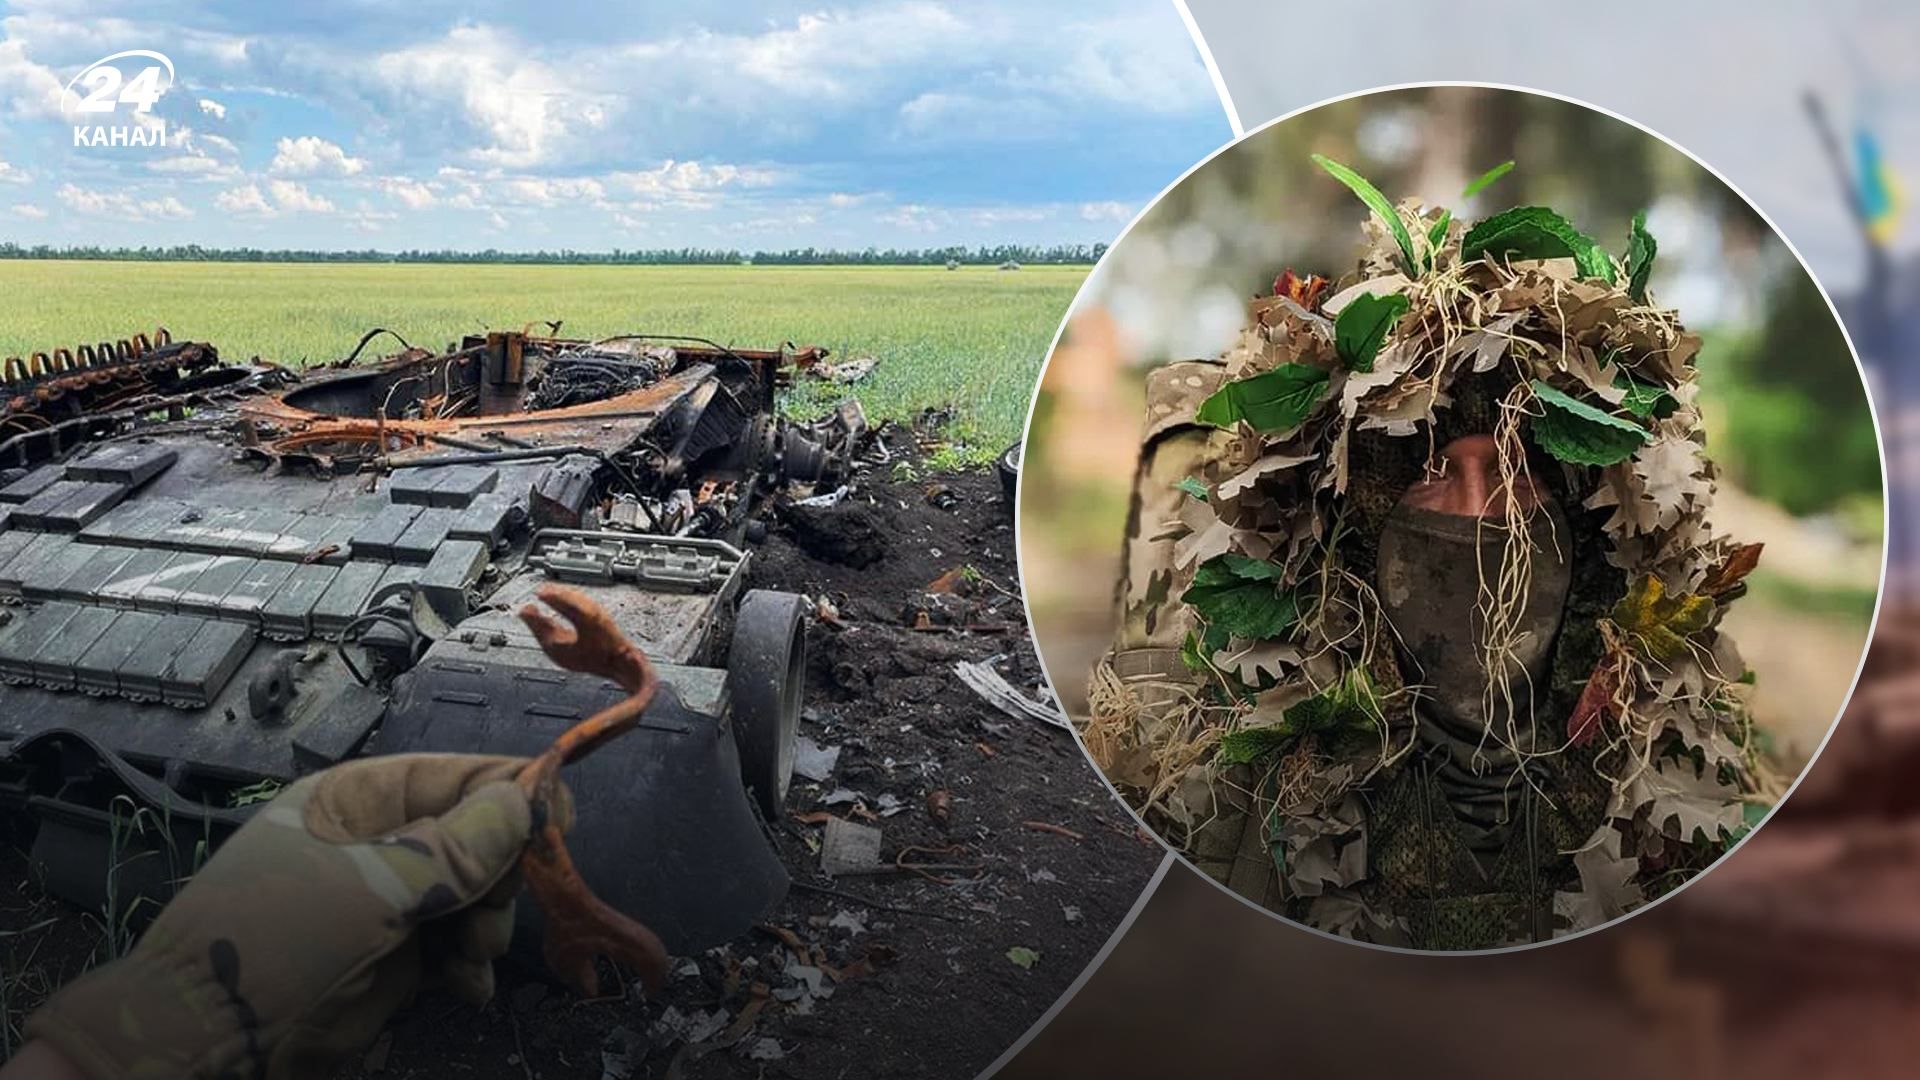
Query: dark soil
{"points": [[926, 986]]}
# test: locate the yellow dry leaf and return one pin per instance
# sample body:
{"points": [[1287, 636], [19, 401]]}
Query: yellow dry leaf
{"points": [[1658, 624]]}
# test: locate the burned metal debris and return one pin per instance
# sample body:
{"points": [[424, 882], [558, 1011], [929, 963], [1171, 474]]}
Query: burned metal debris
{"points": [[216, 574]]}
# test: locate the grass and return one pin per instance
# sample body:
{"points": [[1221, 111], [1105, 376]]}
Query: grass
{"points": [[1851, 602], [972, 338]]}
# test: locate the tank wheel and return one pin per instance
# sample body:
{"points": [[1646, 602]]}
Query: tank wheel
{"points": [[766, 678], [1009, 468]]}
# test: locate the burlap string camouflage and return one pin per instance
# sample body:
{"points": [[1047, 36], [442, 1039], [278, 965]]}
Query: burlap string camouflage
{"points": [[1418, 631], [325, 913]]}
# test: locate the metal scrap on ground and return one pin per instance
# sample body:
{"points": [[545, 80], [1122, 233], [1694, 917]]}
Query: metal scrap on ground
{"points": [[982, 679]]}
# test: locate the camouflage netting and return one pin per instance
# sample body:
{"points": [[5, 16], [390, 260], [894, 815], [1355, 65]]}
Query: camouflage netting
{"points": [[1255, 708]]}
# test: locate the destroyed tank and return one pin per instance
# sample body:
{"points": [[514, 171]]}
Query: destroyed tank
{"points": [[219, 576]]}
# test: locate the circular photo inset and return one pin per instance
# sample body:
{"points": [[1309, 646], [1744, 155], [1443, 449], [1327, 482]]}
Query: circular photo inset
{"points": [[1503, 534]]}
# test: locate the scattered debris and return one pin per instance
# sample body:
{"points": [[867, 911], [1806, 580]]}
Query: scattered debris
{"points": [[765, 1048], [827, 612], [680, 1025], [1057, 830], [847, 372], [1071, 913], [948, 581], [940, 806], [1022, 957], [982, 679], [935, 871], [849, 848], [941, 497], [813, 761], [853, 924], [823, 501], [622, 1050]]}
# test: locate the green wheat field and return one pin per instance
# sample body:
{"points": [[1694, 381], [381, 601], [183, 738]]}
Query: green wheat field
{"points": [[971, 339]]}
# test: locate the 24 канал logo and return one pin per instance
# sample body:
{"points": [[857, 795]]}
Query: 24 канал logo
{"points": [[132, 80]]}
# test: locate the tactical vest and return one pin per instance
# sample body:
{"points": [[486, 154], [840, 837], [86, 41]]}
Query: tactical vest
{"points": [[1225, 839]]}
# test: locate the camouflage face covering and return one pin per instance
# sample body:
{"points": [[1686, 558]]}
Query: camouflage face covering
{"points": [[319, 918]]}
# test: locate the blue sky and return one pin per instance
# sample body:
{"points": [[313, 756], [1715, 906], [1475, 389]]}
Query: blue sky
{"points": [[752, 125]]}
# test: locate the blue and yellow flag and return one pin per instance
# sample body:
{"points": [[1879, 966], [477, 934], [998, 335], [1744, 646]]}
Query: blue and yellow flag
{"points": [[1880, 194]]}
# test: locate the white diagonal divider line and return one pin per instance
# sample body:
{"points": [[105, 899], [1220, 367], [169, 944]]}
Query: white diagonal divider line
{"points": [[1213, 69], [1093, 965]]}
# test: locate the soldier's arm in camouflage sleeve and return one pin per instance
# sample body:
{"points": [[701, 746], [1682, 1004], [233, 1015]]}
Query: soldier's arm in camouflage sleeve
{"points": [[321, 916]]}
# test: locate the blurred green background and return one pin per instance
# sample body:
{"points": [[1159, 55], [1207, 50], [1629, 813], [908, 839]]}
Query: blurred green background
{"points": [[1785, 406]]}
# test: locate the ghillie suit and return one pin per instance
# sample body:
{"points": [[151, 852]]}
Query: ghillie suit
{"points": [[1419, 620]]}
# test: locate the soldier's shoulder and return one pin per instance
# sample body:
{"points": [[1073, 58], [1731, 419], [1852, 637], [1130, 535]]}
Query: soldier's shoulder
{"points": [[1175, 391]]}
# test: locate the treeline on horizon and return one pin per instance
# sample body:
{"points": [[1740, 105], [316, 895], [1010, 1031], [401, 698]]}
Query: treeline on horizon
{"points": [[994, 255]]}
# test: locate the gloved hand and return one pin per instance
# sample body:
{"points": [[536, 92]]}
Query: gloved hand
{"points": [[313, 923]]}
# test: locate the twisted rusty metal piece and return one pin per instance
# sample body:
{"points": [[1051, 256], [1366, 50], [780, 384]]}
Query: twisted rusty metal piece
{"points": [[580, 926]]}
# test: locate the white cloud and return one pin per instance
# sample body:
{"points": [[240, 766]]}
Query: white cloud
{"points": [[836, 57], [244, 201], [195, 166], [497, 221], [311, 155], [841, 200], [1000, 215], [31, 89], [117, 204], [213, 108], [1126, 60], [691, 181], [551, 191], [1109, 210], [295, 197], [219, 142], [365, 218], [11, 175], [532, 105], [914, 217], [412, 193], [526, 107], [29, 211]]}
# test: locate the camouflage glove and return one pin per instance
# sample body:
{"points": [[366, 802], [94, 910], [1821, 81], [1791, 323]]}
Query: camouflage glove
{"points": [[312, 924]]}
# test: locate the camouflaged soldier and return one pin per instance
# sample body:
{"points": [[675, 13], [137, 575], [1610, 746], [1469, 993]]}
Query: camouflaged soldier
{"points": [[1143, 681]]}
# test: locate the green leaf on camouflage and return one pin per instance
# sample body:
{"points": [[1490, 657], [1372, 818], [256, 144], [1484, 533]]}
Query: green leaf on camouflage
{"points": [[1253, 569], [1641, 249], [1363, 324], [1535, 232], [1248, 745], [1376, 202], [1645, 399], [1271, 401], [1349, 709], [1190, 654], [1197, 650], [1657, 624], [1579, 434], [1480, 182], [1751, 815], [1238, 596], [1194, 487], [1438, 235]]}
